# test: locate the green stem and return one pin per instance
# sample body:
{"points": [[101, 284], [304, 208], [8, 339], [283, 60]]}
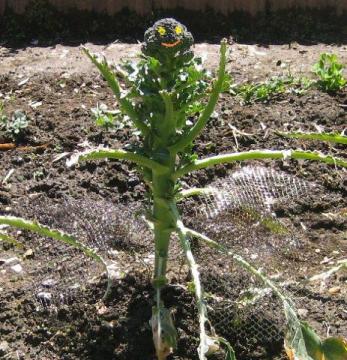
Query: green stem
{"points": [[164, 222], [257, 155], [169, 124], [329, 137], [183, 235], [205, 116], [97, 154], [183, 194]]}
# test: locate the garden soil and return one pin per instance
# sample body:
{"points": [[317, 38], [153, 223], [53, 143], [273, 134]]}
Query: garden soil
{"points": [[57, 87]]}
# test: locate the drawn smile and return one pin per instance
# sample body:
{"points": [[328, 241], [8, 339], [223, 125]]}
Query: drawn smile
{"points": [[170, 45]]}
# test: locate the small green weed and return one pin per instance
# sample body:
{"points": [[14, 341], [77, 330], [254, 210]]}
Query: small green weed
{"points": [[3, 117], [109, 119], [262, 91], [329, 70], [15, 126]]}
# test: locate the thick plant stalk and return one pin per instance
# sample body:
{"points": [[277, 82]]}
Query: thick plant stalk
{"points": [[164, 222], [205, 116], [258, 155], [206, 343], [57, 235], [169, 125]]}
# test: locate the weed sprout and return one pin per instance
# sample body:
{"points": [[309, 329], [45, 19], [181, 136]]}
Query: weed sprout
{"points": [[15, 126]]}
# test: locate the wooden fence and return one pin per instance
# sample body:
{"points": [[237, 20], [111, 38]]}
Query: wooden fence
{"points": [[145, 6]]}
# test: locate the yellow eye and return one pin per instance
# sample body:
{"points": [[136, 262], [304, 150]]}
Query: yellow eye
{"points": [[161, 30], [178, 30]]}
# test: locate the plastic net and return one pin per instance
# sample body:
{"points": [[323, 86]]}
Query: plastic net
{"points": [[256, 213], [61, 274]]}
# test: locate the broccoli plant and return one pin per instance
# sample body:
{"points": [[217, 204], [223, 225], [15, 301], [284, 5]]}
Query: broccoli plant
{"points": [[169, 99]]}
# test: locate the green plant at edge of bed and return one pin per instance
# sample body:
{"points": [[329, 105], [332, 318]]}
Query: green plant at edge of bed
{"points": [[330, 73]]}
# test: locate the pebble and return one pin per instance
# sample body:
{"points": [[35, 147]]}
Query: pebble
{"points": [[334, 290], [4, 348], [46, 297], [114, 272], [302, 312], [49, 283], [10, 261], [17, 268], [101, 309], [28, 254]]}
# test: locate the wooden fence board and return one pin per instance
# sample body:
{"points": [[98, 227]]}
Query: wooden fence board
{"points": [[146, 6]]}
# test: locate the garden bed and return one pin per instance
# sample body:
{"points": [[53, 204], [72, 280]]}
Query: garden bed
{"points": [[57, 97]]}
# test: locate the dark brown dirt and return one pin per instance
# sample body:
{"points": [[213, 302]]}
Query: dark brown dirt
{"points": [[64, 121]]}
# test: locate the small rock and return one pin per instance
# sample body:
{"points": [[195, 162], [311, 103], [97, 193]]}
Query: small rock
{"points": [[326, 260], [18, 160], [17, 268], [4, 348], [49, 283], [45, 297], [101, 309], [302, 312], [10, 261], [334, 290], [29, 254], [75, 286], [114, 272]]}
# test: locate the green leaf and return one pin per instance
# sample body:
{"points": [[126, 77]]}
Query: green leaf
{"points": [[294, 343], [230, 353], [313, 343], [126, 105], [334, 349], [330, 349], [329, 71], [227, 82], [53, 233]]}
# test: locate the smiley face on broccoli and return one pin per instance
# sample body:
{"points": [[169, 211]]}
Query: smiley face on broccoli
{"points": [[168, 39]]}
